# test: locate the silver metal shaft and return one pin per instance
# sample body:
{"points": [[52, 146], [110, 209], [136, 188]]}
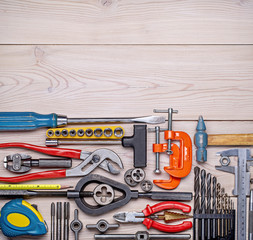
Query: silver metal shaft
{"points": [[203, 203], [157, 154], [136, 237], [251, 215], [170, 112], [208, 204], [52, 221], [214, 227], [57, 142], [59, 220], [66, 221], [196, 230], [145, 119]]}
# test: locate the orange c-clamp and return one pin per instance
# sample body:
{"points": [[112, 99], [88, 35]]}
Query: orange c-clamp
{"points": [[180, 156]]}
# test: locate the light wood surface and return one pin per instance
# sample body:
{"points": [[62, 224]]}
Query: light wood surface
{"points": [[215, 81], [125, 58], [126, 22]]}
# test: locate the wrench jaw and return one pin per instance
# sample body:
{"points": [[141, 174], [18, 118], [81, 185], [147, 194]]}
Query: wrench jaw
{"points": [[98, 158]]}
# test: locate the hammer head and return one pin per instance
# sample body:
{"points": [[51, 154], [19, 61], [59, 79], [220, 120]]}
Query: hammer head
{"points": [[201, 141]]}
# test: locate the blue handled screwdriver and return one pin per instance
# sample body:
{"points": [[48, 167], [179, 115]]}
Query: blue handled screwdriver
{"points": [[22, 121]]}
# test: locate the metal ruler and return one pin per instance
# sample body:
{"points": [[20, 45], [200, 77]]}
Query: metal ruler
{"points": [[241, 185]]}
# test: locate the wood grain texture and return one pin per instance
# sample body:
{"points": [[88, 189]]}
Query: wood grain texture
{"points": [[215, 81], [126, 22]]}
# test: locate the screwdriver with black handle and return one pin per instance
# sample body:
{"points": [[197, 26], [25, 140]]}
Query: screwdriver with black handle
{"points": [[23, 121]]}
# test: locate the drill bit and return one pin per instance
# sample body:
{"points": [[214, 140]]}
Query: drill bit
{"points": [[196, 189], [223, 212], [229, 212], [208, 205], [226, 212], [214, 232], [203, 205], [170, 216], [196, 230], [219, 207]]}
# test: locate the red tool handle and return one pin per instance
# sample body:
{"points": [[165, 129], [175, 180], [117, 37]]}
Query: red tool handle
{"points": [[62, 152], [149, 210], [167, 228], [35, 176]]}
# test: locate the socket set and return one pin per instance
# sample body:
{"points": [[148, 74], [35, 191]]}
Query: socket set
{"points": [[98, 132]]}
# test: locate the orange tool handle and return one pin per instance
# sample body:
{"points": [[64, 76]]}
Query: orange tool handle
{"points": [[35, 176], [167, 228], [62, 152], [149, 210]]}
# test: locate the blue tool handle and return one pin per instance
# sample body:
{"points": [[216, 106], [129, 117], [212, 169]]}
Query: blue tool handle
{"points": [[18, 121]]}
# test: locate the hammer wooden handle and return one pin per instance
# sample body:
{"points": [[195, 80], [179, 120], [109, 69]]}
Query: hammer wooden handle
{"points": [[230, 139]]}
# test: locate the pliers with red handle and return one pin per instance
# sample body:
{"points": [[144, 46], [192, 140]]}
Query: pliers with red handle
{"points": [[98, 158], [135, 217]]}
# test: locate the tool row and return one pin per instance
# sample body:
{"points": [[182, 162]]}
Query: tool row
{"points": [[112, 132], [95, 195]]}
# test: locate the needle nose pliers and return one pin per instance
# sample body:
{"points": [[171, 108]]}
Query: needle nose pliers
{"points": [[98, 158], [136, 217]]}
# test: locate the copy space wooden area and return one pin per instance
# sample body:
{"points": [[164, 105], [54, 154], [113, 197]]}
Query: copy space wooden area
{"points": [[126, 22], [125, 58]]}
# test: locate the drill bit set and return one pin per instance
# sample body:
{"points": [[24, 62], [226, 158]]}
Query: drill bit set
{"points": [[214, 213]]}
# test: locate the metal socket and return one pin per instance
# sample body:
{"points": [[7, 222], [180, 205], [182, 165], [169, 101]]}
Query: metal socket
{"points": [[80, 132], [64, 132], [118, 132], [98, 132], [72, 132], [108, 132], [89, 132]]}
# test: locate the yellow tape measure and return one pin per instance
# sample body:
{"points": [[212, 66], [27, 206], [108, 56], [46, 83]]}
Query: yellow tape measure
{"points": [[31, 186], [98, 132]]}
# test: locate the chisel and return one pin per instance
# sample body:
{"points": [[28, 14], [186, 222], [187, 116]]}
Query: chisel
{"points": [[13, 121]]}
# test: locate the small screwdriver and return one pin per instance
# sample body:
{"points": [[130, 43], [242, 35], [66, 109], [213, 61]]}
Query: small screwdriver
{"points": [[12, 121]]}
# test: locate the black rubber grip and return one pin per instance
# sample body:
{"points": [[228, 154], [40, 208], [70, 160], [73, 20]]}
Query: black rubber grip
{"points": [[139, 144]]}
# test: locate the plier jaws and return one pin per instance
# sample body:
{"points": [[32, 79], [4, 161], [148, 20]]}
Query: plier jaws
{"points": [[143, 216], [129, 217]]}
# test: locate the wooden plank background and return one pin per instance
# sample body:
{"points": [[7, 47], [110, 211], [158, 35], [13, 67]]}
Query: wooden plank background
{"points": [[126, 22], [113, 58]]}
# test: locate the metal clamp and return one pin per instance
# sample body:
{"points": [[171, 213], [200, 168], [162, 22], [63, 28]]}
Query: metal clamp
{"points": [[180, 157]]}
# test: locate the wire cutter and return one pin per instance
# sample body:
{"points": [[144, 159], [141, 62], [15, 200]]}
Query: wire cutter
{"points": [[98, 158], [136, 217]]}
